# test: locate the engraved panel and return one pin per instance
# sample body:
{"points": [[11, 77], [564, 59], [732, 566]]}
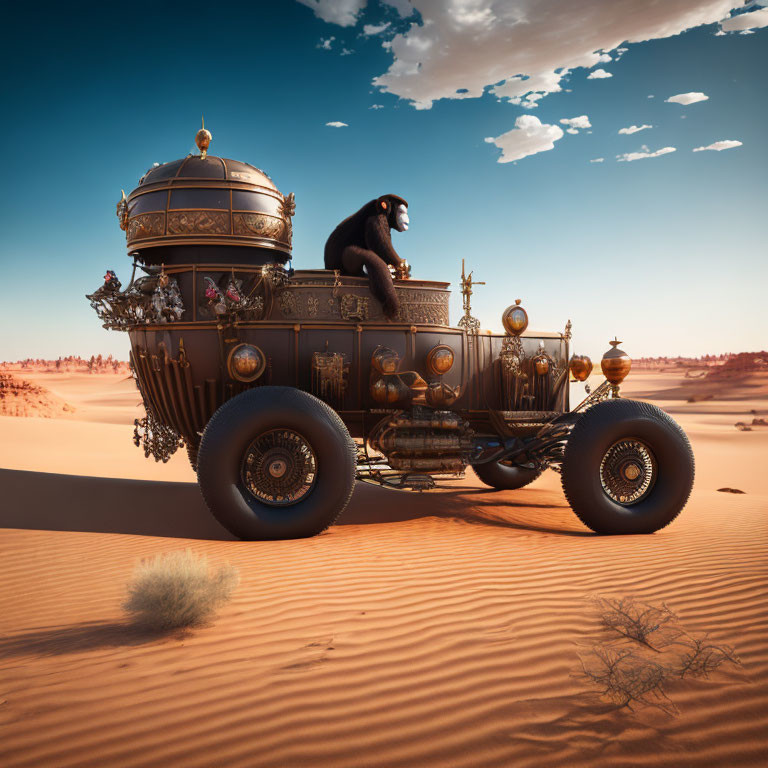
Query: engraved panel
{"points": [[198, 223], [145, 225], [260, 224]]}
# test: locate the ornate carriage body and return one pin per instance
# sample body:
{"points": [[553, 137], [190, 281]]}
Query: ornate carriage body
{"points": [[225, 338]]}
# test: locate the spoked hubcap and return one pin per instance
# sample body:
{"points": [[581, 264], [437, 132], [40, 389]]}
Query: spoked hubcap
{"points": [[279, 468], [628, 471]]}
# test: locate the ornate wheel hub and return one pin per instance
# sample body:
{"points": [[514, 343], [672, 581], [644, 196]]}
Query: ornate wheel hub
{"points": [[628, 471], [279, 468]]}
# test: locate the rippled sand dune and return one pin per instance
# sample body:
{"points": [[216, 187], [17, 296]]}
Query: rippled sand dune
{"points": [[437, 629]]}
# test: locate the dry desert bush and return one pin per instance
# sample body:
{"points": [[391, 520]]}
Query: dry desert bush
{"points": [[650, 625], [177, 590], [627, 679], [629, 676]]}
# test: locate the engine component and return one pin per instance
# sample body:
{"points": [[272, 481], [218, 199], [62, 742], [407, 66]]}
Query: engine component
{"points": [[440, 395], [425, 441]]}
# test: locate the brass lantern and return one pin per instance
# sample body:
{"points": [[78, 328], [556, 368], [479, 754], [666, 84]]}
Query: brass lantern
{"points": [[581, 367], [615, 364], [515, 319]]}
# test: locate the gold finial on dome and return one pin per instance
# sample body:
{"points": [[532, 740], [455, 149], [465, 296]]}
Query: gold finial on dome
{"points": [[203, 140]]}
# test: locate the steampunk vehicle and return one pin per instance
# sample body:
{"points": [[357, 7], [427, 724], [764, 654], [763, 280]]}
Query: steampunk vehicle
{"points": [[285, 386]]}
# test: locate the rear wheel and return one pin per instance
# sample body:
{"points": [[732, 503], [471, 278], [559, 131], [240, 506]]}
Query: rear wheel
{"points": [[627, 468], [276, 463], [504, 476]]}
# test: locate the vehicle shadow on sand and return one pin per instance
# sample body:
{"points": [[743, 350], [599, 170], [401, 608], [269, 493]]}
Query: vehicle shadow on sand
{"points": [[53, 502]]}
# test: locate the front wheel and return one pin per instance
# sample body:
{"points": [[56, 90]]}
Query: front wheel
{"points": [[627, 468], [276, 463]]}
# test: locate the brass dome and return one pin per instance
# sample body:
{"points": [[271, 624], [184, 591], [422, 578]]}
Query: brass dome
{"points": [[203, 200]]}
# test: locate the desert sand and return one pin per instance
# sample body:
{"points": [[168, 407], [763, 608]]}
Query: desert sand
{"points": [[439, 629]]}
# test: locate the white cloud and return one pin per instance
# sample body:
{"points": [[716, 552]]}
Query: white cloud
{"points": [[582, 121], [605, 58], [376, 106], [458, 49], [597, 160], [598, 74], [688, 98], [403, 7], [337, 124], [634, 129], [326, 43], [375, 29], [746, 21], [644, 153], [346, 52], [747, 32], [719, 146], [528, 137], [571, 130], [341, 12]]}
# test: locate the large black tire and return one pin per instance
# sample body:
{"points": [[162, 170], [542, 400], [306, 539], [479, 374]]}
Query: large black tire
{"points": [[505, 477], [192, 456], [614, 448], [271, 414]]}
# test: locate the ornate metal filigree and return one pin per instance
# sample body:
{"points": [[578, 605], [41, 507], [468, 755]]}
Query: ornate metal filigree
{"points": [[122, 211], [468, 323], [148, 300], [330, 372], [145, 225], [287, 209], [198, 223], [157, 440], [261, 224], [230, 297], [514, 382], [567, 333], [354, 307], [287, 303], [426, 307]]}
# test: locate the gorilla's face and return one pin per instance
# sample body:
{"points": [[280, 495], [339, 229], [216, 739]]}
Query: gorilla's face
{"points": [[401, 218]]}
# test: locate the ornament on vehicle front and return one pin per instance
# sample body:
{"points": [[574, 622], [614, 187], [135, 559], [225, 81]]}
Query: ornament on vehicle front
{"points": [[581, 367], [515, 319], [615, 364]]}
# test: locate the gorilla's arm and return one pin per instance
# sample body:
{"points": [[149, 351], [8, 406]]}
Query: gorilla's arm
{"points": [[378, 240]]}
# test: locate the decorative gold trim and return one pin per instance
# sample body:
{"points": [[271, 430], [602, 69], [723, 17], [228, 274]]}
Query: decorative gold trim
{"points": [[198, 222]]}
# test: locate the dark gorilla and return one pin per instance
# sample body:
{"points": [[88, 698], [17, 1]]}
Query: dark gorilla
{"points": [[362, 243]]}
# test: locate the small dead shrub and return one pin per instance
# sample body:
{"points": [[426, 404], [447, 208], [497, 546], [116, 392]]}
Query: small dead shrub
{"points": [[701, 656], [627, 674], [649, 625], [178, 589], [627, 679]]}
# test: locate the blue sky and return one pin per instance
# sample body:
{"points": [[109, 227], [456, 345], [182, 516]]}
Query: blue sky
{"points": [[667, 252]]}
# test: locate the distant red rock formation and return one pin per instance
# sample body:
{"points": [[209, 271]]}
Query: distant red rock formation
{"points": [[21, 398]]}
